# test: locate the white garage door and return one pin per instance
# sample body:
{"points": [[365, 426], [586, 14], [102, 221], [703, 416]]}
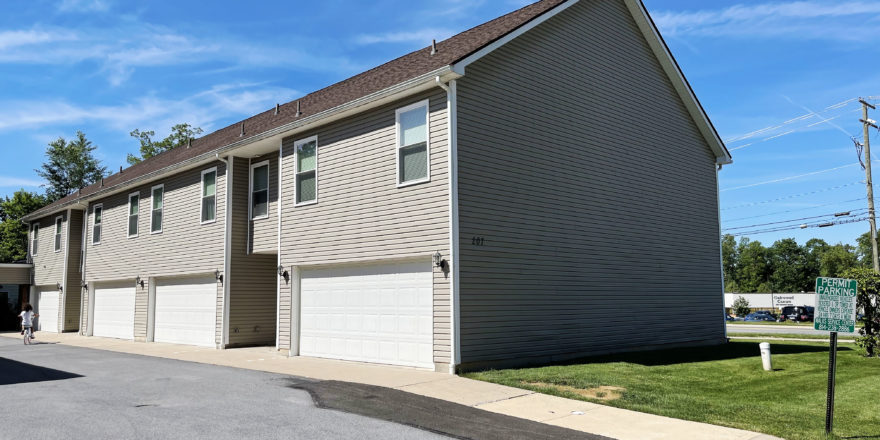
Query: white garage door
{"points": [[47, 308], [377, 313], [114, 310], [186, 311]]}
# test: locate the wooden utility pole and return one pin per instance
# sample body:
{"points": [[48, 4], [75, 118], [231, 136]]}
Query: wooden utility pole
{"points": [[867, 144]]}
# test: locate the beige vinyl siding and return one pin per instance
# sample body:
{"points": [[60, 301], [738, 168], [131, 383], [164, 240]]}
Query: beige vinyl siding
{"points": [[15, 275], [48, 264], [141, 310], [361, 215], [184, 247], [73, 290], [252, 291], [264, 231], [594, 192]]}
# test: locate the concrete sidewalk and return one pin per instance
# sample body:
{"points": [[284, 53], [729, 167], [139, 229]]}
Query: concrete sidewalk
{"points": [[573, 414]]}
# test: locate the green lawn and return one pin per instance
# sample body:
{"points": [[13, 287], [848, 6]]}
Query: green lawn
{"points": [[789, 336], [725, 385]]}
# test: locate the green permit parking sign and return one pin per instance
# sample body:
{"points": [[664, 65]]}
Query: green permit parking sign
{"points": [[835, 305]]}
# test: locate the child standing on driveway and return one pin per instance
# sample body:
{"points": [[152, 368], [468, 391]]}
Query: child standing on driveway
{"points": [[27, 316]]}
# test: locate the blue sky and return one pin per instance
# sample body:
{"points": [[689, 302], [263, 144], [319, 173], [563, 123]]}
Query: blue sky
{"points": [[768, 74]]}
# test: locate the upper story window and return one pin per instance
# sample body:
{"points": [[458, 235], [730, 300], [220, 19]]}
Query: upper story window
{"points": [[133, 209], [157, 195], [307, 171], [35, 242], [209, 195], [96, 224], [59, 221], [260, 190], [412, 144]]}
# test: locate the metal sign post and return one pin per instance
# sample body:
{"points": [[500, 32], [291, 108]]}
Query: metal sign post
{"points": [[832, 372], [835, 312]]}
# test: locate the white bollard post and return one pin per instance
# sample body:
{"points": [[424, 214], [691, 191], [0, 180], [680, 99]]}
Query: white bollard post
{"points": [[765, 356]]}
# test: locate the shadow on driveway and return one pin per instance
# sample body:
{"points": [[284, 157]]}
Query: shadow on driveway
{"points": [[13, 372], [429, 414]]}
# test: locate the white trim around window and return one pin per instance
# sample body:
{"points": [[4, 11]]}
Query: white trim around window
{"points": [[35, 239], [136, 214], [59, 226], [398, 142], [154, 210], [97, 225], [204, 198], [297, 173], [251, 214]]}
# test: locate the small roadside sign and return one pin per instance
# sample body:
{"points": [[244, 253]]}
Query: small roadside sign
{"points": [[835, 305]]}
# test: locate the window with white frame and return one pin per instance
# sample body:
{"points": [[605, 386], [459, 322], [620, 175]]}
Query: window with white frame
{"points": [[307, 171], [134, 201], [157, 197], [35, 242], [59, 222], [412, 143], [260, 190], [97, 221], [209, 195]]}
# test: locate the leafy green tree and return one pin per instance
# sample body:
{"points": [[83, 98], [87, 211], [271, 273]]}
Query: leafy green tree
{"points": [[70, 166], [754, 265], [789, 263], [814, 249], [180, 135], [864, 251], [13, 233], [729, 259], [741, 307], [837, 259], [868, 301]]}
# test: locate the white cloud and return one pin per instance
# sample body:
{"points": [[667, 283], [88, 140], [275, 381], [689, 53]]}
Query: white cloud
{"points": [[118, 52], [83, 6], [801, 19], [18, 182], [202, 109], [423, 36]]}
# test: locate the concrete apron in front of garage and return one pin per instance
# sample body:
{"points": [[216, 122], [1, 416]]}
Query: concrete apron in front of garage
{"points": [[572, 414]]}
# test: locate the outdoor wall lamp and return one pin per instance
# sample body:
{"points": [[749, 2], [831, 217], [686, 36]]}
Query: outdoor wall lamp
{"points": [[218, 276], [60, 287], [139, 281], [283, 273], [84, 285], [439, 261]]}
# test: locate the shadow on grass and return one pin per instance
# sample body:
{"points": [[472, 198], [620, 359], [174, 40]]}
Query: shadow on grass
{"points": [[731, 350], [13, 372]]}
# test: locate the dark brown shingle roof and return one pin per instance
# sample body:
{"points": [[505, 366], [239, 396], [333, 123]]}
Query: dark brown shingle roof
{"points": [[409, 66]]}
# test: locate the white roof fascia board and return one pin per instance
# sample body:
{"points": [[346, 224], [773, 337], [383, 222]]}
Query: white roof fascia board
{"points": [[460, 66], [673, 71], [409, 87]]}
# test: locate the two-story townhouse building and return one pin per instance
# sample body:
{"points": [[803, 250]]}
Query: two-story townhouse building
{"points": [[487, 200]]}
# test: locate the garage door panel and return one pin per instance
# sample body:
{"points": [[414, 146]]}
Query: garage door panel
{"points": [[114, 310], [47, 308], [378, 313], [186, 311]]}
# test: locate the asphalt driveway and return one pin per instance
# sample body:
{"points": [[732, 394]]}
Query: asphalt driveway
{"points": [[73, 392]]}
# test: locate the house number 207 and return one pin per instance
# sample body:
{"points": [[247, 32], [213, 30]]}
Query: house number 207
{"points": [[478, 241]]}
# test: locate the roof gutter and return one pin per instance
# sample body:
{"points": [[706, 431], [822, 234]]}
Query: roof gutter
{"points": [[340, 111]]}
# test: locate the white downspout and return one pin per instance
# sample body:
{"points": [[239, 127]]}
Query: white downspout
{"points": [[227, 250], [82, 266], [278, 237], [452, 134], [720, 246]]}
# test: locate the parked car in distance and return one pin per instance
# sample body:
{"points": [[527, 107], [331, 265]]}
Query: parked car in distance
{"points": [[798, 313], [757, 316]]}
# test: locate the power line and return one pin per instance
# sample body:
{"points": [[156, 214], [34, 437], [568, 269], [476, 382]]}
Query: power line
{"points": [[788, 178], [795, 210], [804, 226], [836, 214], [791, 196], [799, 118]]}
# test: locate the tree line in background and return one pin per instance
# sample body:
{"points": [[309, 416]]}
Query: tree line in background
{"points": [[786, 266], [69, 166]]}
